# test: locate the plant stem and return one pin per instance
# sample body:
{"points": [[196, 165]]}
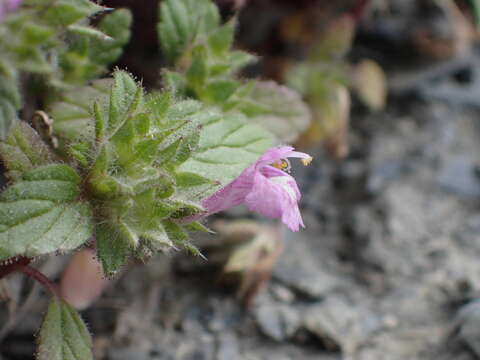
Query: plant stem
{"points": [[11, 266], [22, 265], [41, 278]]}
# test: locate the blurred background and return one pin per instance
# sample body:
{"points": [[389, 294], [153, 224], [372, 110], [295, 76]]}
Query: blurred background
{"points": [[388, 265]]}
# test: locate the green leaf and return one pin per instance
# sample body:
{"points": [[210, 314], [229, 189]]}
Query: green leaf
{"points": [[113, 248], [227, 146], [66, 12], [23, 151], [277, 108], [197, 73], [124, 98], [221, 40], [9, 104], [185, 179], [63, 334], [197, 226], [72, 114], [88, 32], [218, 91], [183, 23], [117, 26], [41, 213], [175, 232]]}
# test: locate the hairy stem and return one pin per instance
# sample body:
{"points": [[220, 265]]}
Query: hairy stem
{"points": [[11, 266], [22, 265]]}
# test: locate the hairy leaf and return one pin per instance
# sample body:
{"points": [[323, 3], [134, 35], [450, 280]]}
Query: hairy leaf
{"points": [[117, 26], [182, 22], [23, 150], [63, 334], [227, 146], [113, 247], [41, 213], [9, 103], [278, 109], [72, 114]]}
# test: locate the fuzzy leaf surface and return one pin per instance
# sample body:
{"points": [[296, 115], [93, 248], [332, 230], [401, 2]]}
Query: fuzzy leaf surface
{"points": [[9, 103], [23, 150], [277, 108], [184, 21], [63, 334], [41, 213], [72, 114], [228, 144]]}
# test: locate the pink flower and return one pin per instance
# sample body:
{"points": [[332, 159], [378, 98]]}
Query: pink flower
{"points": [[8, 6], [265, 188]]}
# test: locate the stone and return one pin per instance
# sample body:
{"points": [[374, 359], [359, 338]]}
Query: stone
{"points": [[227, 347], [340, 324], [381, 174], [459, 176], [277, 321], [127, 354], [302, 272], [468, 326]]}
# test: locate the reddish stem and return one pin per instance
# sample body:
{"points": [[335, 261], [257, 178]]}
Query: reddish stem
{"points": [[11, 266], [22, 265], [42, 279]]}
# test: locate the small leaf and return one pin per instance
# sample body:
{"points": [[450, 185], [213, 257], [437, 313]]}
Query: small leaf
{"points": [[63, 334], [196, 226], [117, 26], [185, 179], [125, 96], [23, 151], [66, 12], [221, 40], [182, 23], [197, 72], [176, 27], [175, 232], [89, 32], [113, 249]]}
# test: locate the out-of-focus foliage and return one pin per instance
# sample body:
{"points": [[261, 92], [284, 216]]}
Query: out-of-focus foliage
{"points": [[324, 79], [206, 68], [53, 39]]}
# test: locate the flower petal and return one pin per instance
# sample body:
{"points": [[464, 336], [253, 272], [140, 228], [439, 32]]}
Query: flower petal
{"points": [[231, 195], [276, 197]]}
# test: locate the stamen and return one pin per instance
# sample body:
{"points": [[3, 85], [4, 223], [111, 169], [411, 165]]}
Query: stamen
{"points": [[307, 161], [283, 165]]}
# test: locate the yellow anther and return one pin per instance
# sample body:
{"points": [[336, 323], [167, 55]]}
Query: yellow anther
{"points": [[307, 161], [283, 164]]}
